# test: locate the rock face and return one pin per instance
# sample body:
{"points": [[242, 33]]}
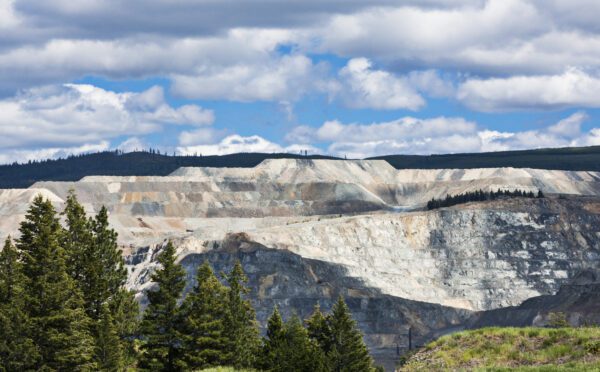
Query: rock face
{"points": [[307, 231]]}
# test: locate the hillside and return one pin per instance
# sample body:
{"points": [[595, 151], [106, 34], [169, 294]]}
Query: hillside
{"points": [[111, 163], [568, 158], [154, 164], [515, 349]]}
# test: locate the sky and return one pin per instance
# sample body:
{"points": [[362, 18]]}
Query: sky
{"points": [[346, 78]]}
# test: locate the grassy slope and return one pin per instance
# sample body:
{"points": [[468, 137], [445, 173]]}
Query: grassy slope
{"points": [[503, 349]]}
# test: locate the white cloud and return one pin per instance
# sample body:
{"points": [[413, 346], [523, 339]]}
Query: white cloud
{"points": [[133, 144], [439, 135], [236, 143], [280, 79], [368, 88], [74, 114], [24, 155], [574, 88], [201, 136]]}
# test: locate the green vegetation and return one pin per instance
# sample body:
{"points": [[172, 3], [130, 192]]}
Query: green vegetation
{"points": [[63, 307], [479, 195], [568, 158], [503, 349]]}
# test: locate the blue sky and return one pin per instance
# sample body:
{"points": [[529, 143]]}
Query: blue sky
{"points": [[352, 79]]}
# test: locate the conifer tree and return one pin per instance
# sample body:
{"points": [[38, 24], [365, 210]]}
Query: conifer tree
{"points": [[318, 329], [161, 323], [125, 311], [301, 353], [348, 351], [94, 258], [109, 354], [287, 347], [17, 350], [204, 341], [77, 240], [59, 324], [240, 322], [273, 341]]}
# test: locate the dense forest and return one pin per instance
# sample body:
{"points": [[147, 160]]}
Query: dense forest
{"points": [[64, 307], [480, 195], [568, 158], [153, 163]]}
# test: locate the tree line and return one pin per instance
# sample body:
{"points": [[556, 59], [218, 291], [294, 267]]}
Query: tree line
{"points": [[480, 195], [64, 307]]}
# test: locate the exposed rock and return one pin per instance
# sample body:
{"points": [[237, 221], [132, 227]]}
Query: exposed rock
{"points": [[307, 230]]}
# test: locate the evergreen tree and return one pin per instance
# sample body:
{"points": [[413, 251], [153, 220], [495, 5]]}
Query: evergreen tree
{"points": [[348, 351], [161, 323], [59, 324], [125, 311], [94, 257], [319, 330], [17, 350], [109, 354], [240, 322], [287, 347], [77, 240], [203, 329], [273, 341]]}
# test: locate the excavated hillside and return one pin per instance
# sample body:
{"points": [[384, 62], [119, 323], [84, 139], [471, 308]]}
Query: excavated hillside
{"points": [[308, 230]]}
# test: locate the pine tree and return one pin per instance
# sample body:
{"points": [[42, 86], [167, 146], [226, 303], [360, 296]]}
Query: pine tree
{"points": [[59, 324], [240, 322], [161, 323], [319, 330], [109, 354], [203, 329], [301, 353], [94, 258], [348, 352], [288, 348], [125, 311], [17, 350], [273, 341], [77, 240]]}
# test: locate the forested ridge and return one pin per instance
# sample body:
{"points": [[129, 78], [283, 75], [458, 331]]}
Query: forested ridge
{"points": [[153, 163], [64, 307]]}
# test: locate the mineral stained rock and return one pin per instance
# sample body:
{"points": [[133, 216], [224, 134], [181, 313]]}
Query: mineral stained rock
{"points": [[308, 230]]}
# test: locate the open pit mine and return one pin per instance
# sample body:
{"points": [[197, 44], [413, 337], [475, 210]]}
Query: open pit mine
{"points": [[309, 230]]}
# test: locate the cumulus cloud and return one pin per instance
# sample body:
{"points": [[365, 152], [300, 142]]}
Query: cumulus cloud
{"points": [[75, 117], [24, 155], [439, 135], [368, 88], [285, 79], [236, 143], [574, 88]]}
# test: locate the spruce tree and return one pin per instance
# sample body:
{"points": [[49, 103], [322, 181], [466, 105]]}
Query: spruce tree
{"points": [[125, 311], [161, 324], [94, 258], [288, 348], [240, 322], [300, 352], [348, 351], [17, 350], [273, 341], [204, 341], [77, 240], [318, 329], [109, 353], [59, 324]]}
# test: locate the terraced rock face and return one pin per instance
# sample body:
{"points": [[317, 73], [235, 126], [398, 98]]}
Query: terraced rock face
{"points": [[308, 230]]}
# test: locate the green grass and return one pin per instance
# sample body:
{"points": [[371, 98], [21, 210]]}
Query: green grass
{"points": [[511, 349]]}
